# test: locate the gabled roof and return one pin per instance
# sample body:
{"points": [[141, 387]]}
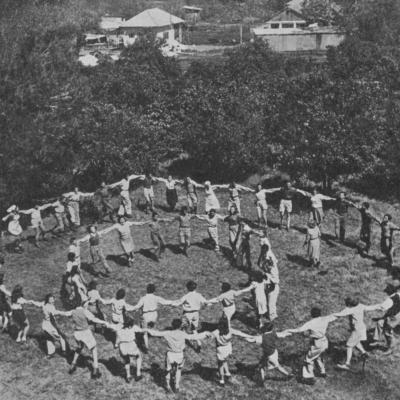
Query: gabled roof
{"points": [[288, 15], [152, 18], [296, 5]]}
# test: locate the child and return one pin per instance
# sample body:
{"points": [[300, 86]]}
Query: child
{"points": [[126, 339], [94, 300], [156, 235], [313, 243], [270, 357], [36, 221], [184, 229], [74, 247], [212, 226]]}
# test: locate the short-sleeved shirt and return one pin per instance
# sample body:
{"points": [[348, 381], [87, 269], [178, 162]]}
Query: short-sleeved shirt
{"points": [[192, 301], [125, 185], [48, 311], [233, 193], [222, 340], [128, 335], [124, 231], [150, 302], [170, 184], [93, 296], [232, 220], [317, 326], [36, 216], [269, 343], [190, 188], [59, 207], [342, 206], [227, 299], [154, 227], [176, 340], [184, 221], [94, 239]]}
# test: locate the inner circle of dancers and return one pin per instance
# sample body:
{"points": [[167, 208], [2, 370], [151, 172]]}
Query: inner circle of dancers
{"points": [[85, 302]]}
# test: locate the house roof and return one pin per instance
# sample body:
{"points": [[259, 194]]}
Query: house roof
{"points": [[191, 8], [288, 15], [297, 5], [152, 18]]}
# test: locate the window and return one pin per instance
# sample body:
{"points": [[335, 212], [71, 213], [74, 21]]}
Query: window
{"points": [[287, 25], [274, 26], [301, 25]]}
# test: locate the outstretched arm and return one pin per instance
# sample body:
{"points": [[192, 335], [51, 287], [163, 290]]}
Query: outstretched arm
{"points": [[137, 223], [304, 193], [201, 217], [245, 188], [272, 190], [241, 334]]}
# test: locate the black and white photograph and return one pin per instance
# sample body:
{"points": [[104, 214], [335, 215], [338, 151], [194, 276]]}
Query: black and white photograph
{"points": [[199, 200]]}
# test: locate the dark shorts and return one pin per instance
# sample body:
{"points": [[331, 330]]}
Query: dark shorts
{"points": [[19, 318]]}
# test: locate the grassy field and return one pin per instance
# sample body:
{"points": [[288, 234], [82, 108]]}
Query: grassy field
{"points": [[25, 373]]}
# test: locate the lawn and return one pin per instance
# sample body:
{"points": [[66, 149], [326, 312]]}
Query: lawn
{"points": [[26, 373]]}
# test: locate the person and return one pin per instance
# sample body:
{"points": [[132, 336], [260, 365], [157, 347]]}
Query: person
{"points": [[94, 300], [171, 192], [174, 358], [270, 356], [261, 204], [126, 203], [227, 300], [148, 304], [74, 198], [50, 328], [14, 227], [81, 317], [387, 230], [5, 309], [259, 285], [36, 221], [211, 201], [266, 255], [355, 311], [212, 226], [234, 194], [341, 215], [60, 215], [106, 207], [155, 234], [316, 327], [191, 304], [80, 290], [287, 193], [119, 307], [233, 220], [128, 349], [391, 318], [148, 192], [317, 210], [184, 229], [74, 248], [367, 218], [313, 243], [223, 341], [191, 194], [271, 272], [18, 314], [96, 252], [243, 255]]}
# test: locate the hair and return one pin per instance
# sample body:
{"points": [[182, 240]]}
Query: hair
{"points": [[151, 288], [71, 256], [267, 327], [92, 285], [259, 184], [312, 224], [191, 286], [154, 214], [232, 185], [351, 302], [389, 217], [89, 228], [316, 188], [265, 247], [223, 326], [183, 209], [120, 218], [129, 322], [225, 287], [176, 323], [16, 293], [258, 276], [391, 289], [120, 294], [316, 312], [212, 210], [234, 208], [47, 298], [74, 270], [72, 240], [366, 204], [1, 278]]}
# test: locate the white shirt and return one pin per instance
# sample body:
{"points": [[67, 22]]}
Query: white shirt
{"points": [[150, 302], [75, 196], [76, 250], [125, 185], [259, 289], [261, 196], [93, 296], [356, 315], [213, 222], [117, 308], [316, 200], [192, 301], [36, 217], [273, 274], [128, 335], [317, 326], [170, 184]]}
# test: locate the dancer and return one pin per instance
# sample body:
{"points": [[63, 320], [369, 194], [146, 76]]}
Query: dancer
{"points": [[148, 192], [50, 328], [233, 220], [316, 328], [355, 311], [171, 193], [185, 232], [94, 300], [270, 357], [243, 257], [60, 215], [191, 194], [36, 221], [211, 201], [341, 215], [367, 218], [266, 256], [174, 358], [313, 243], [234, 194], [96, 252], [80, 290], [387, 232], [148, 304], [74, 198], [212, 227], [390, 320], [18, 314], [227, 300], [191, 304], [126, 339], [75, 249], [14, 227], [81, 317], [316, 198], [261, 204], [272, 274], [5, 309], [126, 206], [155, 234], [106, 207]]}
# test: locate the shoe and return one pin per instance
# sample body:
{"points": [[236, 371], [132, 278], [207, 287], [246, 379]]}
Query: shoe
{"points": [[344, 367], [308, 381], [50, 356], [168, 389], [138, 378], [387, 352], [221, 382], [364, 356], [96, 374], [72, 369], [322, 375], [128, 379]]}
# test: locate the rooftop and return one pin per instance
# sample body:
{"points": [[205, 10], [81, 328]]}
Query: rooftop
{"points": [[152, 18]]}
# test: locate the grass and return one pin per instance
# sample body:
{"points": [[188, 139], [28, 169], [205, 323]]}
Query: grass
{"points": [[26, 373]]}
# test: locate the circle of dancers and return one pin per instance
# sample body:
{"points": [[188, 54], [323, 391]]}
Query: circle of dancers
{"points": [[86, 302]]}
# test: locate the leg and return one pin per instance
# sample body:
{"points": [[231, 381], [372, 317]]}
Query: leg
{"points": [[288, 216], [128, 361], [272, 300], [77, 353], [342, 228], [259, 214], [25, 332], [221, 372], [264, 213], [139, 366], [103, 260], [178, 375], [96, 373]]}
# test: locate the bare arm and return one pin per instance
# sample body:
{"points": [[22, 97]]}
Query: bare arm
{"points": [[241, 334]]}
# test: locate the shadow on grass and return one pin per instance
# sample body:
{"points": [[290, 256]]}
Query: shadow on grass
{"points": [[118, 259], [174, 248], [113, 365], [205, 373], [148, 253], [158, 374], [299, 260]]}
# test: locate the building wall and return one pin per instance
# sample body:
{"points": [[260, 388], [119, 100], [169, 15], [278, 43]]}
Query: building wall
{"points": [[303, 41]]}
